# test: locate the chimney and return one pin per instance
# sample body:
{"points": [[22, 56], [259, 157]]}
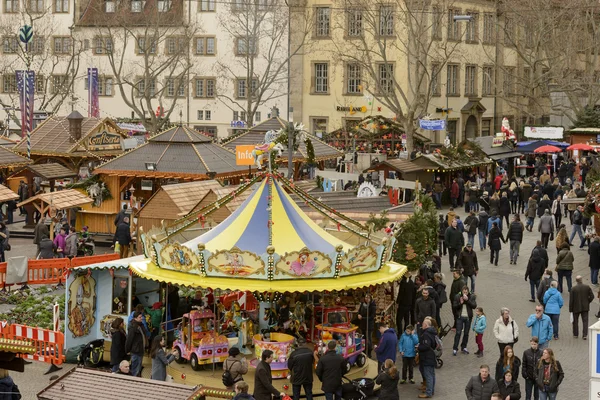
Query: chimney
{"points": [[274, 112], [75, 120]]}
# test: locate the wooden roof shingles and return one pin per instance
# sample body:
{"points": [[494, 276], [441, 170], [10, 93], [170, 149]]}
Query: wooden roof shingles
{"points": [[9, 158], [6, 194], [61, 199], [52, 171]]}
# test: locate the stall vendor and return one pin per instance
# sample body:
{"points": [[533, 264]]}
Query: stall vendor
{"points": [[156, 314]]}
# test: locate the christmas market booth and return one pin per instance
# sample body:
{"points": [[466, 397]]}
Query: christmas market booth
{"points": [[500, 150], [9, 160], [395, 168], [266, 250], [176, 155]]}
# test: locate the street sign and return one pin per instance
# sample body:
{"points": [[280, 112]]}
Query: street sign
{"points": [[432, 124], [243, 155], [26, 34]]}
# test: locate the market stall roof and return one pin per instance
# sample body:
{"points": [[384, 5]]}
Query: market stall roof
{"points": [[381, 120], [8, 158], [256, 135], [80, 383], [530, 146], [446, 163], [120, 263], [51, 171], [586, 131], [178, 152], [6, 194], [53, 137], [59, 200], [495, 153], [6, 142], [404, 166]]}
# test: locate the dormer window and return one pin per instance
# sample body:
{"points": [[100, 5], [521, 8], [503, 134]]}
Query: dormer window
{"points": [[110, 6], [137, 6]]}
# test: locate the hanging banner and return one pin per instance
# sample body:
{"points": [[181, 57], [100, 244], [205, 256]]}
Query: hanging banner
{"points": [[26, 88], [433, 124], [93, 98]]}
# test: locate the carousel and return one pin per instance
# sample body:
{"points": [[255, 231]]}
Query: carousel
{"points": [[272, 273]]}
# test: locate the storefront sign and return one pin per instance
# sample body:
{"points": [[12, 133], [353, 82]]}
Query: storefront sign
{"points": [[105, 141], [243, 155], [432, 124], [544, 132], [352, 109], [497, 141]]}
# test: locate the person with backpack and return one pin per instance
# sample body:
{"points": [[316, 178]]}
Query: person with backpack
{"points": [[407, 349], [234, 368], [427, 361], [467, 262], [535, 270], [479, 325]]}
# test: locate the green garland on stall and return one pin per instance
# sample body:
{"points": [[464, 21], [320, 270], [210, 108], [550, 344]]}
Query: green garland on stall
{"points": [[86, 184]]}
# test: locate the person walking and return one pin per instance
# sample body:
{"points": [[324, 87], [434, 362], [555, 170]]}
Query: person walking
{"points": [[388, 381], [442, 226], [508, 387], [121, 216], [366, 316], [386, 349], [524, 196], [513, 191], [71, 243], [159, 359], [557, 210], [117, 344], [482, 386], [494, 238], [60, 243], [549, 375], [577, 226], [40, 230], [458, 283], [546, 227], [237, 367], [484, 202], [494, 204], [544, 285], [463, 304], [440, 289], [300, 363], [553, 302], [467, 262], [425, 306], [479, 325], [506, 330], [531, 211], [561, 237], [579, 305], [427, 362], [330, 369], [508, 361], [515, 235], [504, 207], [405, 301], [541, 326], [263, 381], [454, 241], [407, 349], [535, 270], [454, 192], [494, 218], [594, 264], [564, 266], [482, 228], [543, 205], [531, 358], [123, 237], [136, 343], [471, 224]]}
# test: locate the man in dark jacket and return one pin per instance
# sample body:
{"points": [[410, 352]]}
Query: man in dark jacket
{"points": [[136, 343], [467, 262], [425, 307], [454, 192], [544, 285], [427, 362], [579, 304], [542, 251], [594, 252], [263, 381], [300, 364], [442, 226], [387, 345], [531, 358], [515, 235], [482, 386], [454, 241], [330, 369], [121, 216], [577, 226], [482, 228], [405, 302], [535, 270], [463, 304], [457, 284], [41, 230], [46, 248], [123, 236]]}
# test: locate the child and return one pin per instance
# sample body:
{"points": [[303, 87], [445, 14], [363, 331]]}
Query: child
{"points": [[406, 347], [479, 325], [241, 391]]}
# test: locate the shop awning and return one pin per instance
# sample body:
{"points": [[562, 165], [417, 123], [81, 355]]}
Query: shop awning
{"points": [[495, 152], [502, 156], [530, 146], [121, 263]]}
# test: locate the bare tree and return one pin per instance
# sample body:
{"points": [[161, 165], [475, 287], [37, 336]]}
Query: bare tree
{"points": [[394, 49], [263, 49], [55, 65], [147, 45]]}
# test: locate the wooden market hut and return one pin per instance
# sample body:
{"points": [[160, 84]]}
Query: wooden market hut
{"points": [[256, 135], [74, 141], [9, 161], [404, 170], [174, 155]]}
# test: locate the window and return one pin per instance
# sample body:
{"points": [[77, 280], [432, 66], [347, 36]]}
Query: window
{"points": [[59, 84], [236, 116], [487, 85], [489, 23], [386, 78], [204, 87], [109, 6], [103, 45], [353, 85], [508, 82], [471, 80], [435, 79], [146, 87], [164, 5], [40, 86], [9, 83], [207, 130], [137, 6], [509, 34], [472, 34], [386, 21], [200, 116], [239, 5], [61, 6], [11, 6], [318, 125], [62, 45], [37, 45], [11, 44], [323, 16], [528, 36], [257, 116], [486, 127], [243, 115], [146, 44], [175, 45], [355, 23], [242, 88], [105, 86], [246, 46], [207, 115], [436, 23], [453, 26], [321, 78], [175, 88], [205, 46], [35, 6], [452, 80], [207, 5]]}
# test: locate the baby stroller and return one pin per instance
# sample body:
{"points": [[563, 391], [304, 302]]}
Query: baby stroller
{"points": [[357, 389], [438, 351], [91, 355]]}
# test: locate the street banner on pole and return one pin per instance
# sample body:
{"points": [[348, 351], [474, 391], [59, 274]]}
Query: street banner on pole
{"points": [[26, 88], [93, 95]]}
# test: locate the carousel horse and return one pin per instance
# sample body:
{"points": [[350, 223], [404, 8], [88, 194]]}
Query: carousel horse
{"points": [[271, 318], [260, 151]]}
